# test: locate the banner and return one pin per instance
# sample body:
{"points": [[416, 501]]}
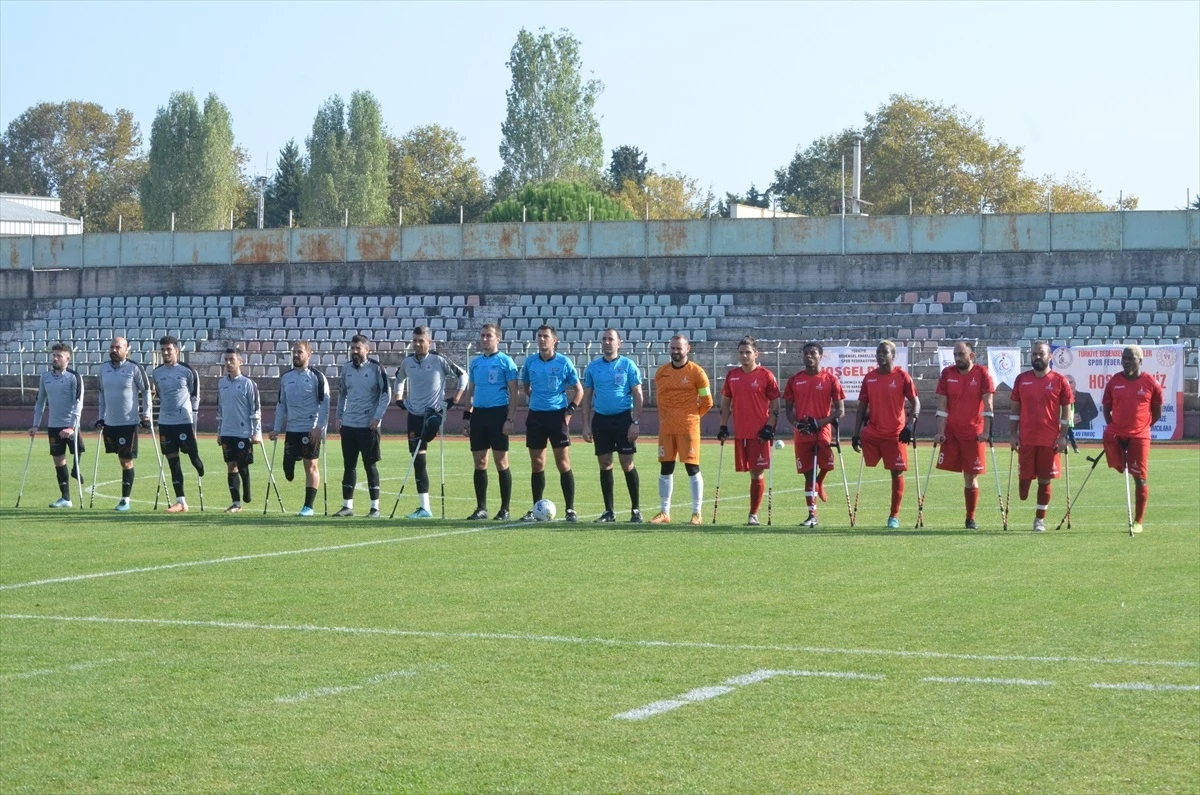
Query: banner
{"points": [[1004, 364], [851, 364], [945, 358], [1089, 368]]}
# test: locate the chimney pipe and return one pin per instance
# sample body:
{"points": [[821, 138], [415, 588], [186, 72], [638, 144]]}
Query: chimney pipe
{"points": [[856, 194]]}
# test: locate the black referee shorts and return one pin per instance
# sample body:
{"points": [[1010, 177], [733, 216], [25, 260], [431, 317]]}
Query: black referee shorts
{"points": [[547, 426], [610, 433], [361, 442], [487, 429]]}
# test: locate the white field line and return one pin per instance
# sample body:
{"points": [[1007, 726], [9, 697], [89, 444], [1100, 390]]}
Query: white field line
{"points": [[1147, 686], [614, 642], [254, 556], [83, 666], [968, 680], [728, 686], [321, 692]]}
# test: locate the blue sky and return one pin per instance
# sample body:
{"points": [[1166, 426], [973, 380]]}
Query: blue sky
{"points": [[724, 92]]}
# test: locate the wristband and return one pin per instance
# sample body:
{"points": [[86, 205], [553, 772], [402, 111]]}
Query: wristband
{"points": [[942, 414], [467, 415], [1065, 423], [1014, 417], [988, 414]]}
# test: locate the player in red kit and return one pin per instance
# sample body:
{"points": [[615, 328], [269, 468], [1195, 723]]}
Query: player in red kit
{"points": [[752, 392], [883, 427], [813, 400], [964, 422], [1038, 423], [1132, 403]]}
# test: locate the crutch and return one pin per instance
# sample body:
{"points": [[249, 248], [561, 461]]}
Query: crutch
{"points": [[717, 493], [928, 476], [837, 444], [1008, 487], [199, 477], [271, 475], [25, 472], [412, 462], [324, 472], [1128, 498], [96, 466], [162, 476], [78, 465], [996, 472], [857, 491], [770, 483], [442, 457], [1067, 459], [1071, 502]]}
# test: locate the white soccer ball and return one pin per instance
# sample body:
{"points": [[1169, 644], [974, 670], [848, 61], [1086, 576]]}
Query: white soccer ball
{"points": [[779, 444], [544, 511]]}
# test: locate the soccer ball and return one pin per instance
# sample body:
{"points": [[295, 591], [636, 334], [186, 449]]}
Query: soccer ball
{"points": [[779, 444], [544, 511]]}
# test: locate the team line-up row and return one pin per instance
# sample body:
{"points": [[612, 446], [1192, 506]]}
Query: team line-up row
{"points": [[608, 396]]}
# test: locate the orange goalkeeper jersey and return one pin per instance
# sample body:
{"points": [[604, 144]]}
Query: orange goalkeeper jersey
{"points": [[683, 397]]}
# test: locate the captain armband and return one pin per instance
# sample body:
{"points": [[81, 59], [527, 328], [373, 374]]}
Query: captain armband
{"points": [[942, 414]]}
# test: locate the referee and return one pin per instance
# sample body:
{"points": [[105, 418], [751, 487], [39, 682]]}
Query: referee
{"points": [[362, 401], [178, 390], [491, 405], [612, 384], [421, 389], [546, 377]]}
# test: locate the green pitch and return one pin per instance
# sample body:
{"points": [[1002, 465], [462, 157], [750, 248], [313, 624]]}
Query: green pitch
{"points": [[204, 652]]}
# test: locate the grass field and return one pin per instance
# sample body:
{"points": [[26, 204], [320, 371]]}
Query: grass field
{"points": [[200, 653]]}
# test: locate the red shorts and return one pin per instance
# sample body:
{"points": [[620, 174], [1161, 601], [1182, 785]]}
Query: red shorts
{"points": [[1139, 454], [962, 454], [805, 445], [751, 454], [884, 448], [1038, 462]]}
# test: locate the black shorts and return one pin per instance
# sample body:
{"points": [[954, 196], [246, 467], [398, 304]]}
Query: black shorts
{"points": [[487, 429], [416, 426], [361, 441], [547, 426], [610, 433], [59, 446], [122, 440], [236, 450], [178, 439], [302, 444]]}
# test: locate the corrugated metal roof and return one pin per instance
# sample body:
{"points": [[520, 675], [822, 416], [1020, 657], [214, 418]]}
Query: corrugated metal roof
{"points": [[12, 211]]}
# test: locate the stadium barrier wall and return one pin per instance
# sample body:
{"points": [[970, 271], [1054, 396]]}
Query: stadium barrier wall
{"points": [[755, 237]]}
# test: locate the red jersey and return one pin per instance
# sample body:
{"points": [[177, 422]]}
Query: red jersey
{"points": [[1131, 403], [813, 396], [751, 394], [964, 399], [884, 394], [1038, 403]]}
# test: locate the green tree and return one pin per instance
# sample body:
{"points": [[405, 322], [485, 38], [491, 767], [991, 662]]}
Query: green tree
{"points": [[1195, 205], [558, 201], [88, 158], [347, 164], [551, 131], [194, 166], [431, 176], [628, 164], [665, 196], [283, 193], [936, 156]]}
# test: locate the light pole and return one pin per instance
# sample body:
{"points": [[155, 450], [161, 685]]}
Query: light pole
{"points": [[261, 184]]}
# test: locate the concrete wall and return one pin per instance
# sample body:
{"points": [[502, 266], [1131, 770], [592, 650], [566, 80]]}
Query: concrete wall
{"points": [[766, 237]]}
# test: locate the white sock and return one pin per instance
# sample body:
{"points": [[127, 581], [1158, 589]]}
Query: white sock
{"points": [[424, 501], [181, 500], [666, 483], [696, 481], [374, 505], [348, 504]]}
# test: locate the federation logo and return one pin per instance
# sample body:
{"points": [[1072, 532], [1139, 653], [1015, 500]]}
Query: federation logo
{"points": [[1005, 364], [121, 440], [1167, 357], [1063, 357], [183, 437]]}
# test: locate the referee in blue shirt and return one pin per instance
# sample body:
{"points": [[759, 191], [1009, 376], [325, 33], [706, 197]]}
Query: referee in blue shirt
{"points": [[612, 385], [491, 400], [548, 378]]}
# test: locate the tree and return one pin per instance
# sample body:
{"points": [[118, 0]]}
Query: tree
{"points": [[935, 156], [347, 164], [558, 201], [194, 166], [1195, 205], [551, 131], [283, 193], [431, 176], [628, 164], [88, 158], [665, 196]]}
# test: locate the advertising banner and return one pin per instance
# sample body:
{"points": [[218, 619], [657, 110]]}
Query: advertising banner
{"points": [[851, 364], [1089, 368]]}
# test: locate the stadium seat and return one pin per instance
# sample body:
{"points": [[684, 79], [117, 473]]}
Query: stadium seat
{"points": [[1062, 306], [1172, 291], [1051, 294], [1120, 291], [1154, 291], [1068, 294], [920, 308], [1137, 292], [1091, 318], [1150, 304], [1073, 318], [909, 298], [1183, 305], [1133, 305]]}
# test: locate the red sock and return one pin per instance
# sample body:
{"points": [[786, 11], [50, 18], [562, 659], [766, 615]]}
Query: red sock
{"points": [[1043, 500], [972, 497], [897, 494], [810, 490], [1141, 493], [756, 495]]}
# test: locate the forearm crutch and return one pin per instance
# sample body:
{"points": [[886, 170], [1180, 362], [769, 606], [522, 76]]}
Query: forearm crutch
{"points": [[25, 472], [1071, 502], [837, 445], [96, 465], [717, 493], [928, 477], [271, 475]]}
